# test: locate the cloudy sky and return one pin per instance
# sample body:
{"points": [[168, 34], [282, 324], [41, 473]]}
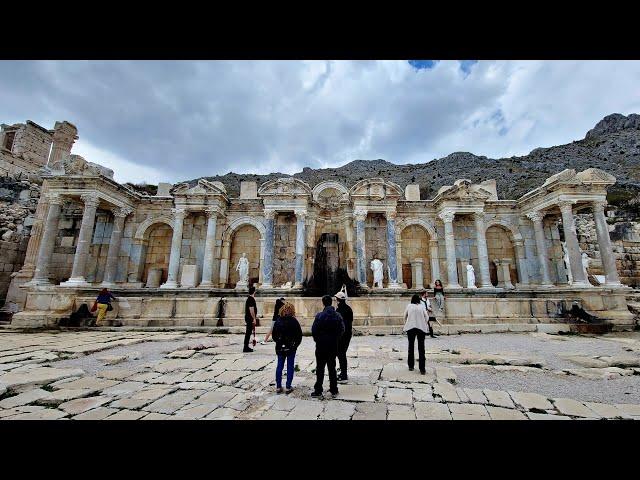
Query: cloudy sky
{"points": [[176, 120]]}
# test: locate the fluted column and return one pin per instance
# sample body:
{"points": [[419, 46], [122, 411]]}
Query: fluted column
{"points": [[604, 242], [450, 244], [541, 246], [267, 267], [483, 254], [78, 272], [570, 236], [119, 216], [391, 250], [47, 242], [360, 214], [209, 245], [522, 264], [176, 247], [300, 241]]}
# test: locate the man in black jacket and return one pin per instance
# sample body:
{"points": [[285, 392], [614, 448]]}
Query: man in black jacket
{"points": [[327, 329], [343, 344]]}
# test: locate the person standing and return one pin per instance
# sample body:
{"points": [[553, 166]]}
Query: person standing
{"points": [[250, 317], [276, 312], [288, 336], [326, 330], [343, 344], [431, 316], [416, 319], [103, 303], [438, 292]]}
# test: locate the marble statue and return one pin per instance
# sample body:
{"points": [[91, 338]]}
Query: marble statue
{"points": [[585, 264], [243, 269], [471, 276], [376, 266], [565, 257]]}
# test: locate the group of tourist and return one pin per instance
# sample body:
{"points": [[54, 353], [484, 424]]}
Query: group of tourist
{"points": [[332, 331]]}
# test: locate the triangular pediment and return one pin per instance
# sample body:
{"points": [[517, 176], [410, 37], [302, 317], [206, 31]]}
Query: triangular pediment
{"points": [[376, 189], [285, 187]]}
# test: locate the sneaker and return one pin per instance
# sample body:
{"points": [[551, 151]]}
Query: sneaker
{"points": [[423, 372], [334, 394], [263, 343], [411, 369], [289, 390], [342, 379], [247, 349], [279, 390], [316, 394]]}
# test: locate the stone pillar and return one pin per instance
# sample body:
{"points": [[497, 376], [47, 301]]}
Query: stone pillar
{"points": [[391, 250], [225, 258], [119, 216], [483, 255], [435, 264], [91, 202], [64, 135], [522, 263], [209, 245], [300, 246], [604, 243], [267, 267], [360, 215], [541, 246], [504, 275], [450, 243], [176, 246], [570, 236], [48, 241], [416, 273]]}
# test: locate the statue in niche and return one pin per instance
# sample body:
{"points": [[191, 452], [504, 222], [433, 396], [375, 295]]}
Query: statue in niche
{"points": [[565, 257], [585, 264], [378, 275], [243, 271], [471, 276]]}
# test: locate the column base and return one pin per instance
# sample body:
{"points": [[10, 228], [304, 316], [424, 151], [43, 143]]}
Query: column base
{"points": [[169, 284], [266, 285], [471, 288], [454, 286], [298, 285], [206, 285], [76, 282], [37, 282], [394, 286], [107, 284]]}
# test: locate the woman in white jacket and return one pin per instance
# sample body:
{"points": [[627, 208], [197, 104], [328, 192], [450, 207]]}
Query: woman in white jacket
{"points": [[416, 325]]}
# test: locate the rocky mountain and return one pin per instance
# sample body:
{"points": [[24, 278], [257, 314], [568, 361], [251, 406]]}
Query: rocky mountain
{"points": [[612, 145]]}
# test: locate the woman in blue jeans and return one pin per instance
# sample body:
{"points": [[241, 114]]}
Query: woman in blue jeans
{"points": [[288, 336]]}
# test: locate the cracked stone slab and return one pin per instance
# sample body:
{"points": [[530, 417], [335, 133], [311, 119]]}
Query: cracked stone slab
{"points": [[173, 401], [306, 410], [124, 389], [217, 398], [81, 405], [629, 409], [399, 395], [545, 416], [116, 374], [99, 413], [499, 413], [127, 415], [370, 411], [432, 411], [194, 412], [83, 383], [153, 392], [44, 414], [357, 393], [445, 375], [112, 359], [274, 415], [573, 408], [64, 395], [223, 414], [475, 396], [181, 354], [24, 398], [446, 392], [468, 411], [399, 372], [606, 411], [37, 376], [169, 378], [401, 412], [130, 403], [143, 377], [337, 410], [498, 398], [530, 401]]}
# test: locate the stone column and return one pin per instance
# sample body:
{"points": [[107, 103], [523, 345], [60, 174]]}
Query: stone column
{"points": [[91, 202], [47, 242], [209, 245], [267, 267], [570, 236], [416, 273], [399, 258], [64, 136], [360, 215], [541, 246], [300, 246], [504, 275], [604, 243], [435, 264], [225, 258], [450, 243], [522, 264], [483, 254], [119, 216], [176, 246], [391, 250]]}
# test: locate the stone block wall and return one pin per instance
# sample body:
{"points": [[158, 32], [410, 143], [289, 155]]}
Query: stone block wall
{"points": [[246, 239], [375, 235], [32, 142], [158, 250], [499, 246], [11, 260], [284, 252], [415, 244]]}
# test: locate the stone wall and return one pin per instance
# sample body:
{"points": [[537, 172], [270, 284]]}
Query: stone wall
{"points": [[415, 244], [284, 252], [375, 234], [158, 250], [11, 260], [32, 142], [499, 246], [246, 239]]}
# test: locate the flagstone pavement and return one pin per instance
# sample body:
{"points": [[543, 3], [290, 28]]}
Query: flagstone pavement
{"points": [[152, 375]]}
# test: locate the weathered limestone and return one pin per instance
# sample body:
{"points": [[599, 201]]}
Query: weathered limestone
{"points": [[176, 242], [360, 215], [267, 267], [91, 202], [450, 244], [119, 217], [541, 246], [300, 246], [604, 242], [47, 242], [207, 264], [483, 255], [391, 250], [416, 273], [569, 228], [504, 275]]}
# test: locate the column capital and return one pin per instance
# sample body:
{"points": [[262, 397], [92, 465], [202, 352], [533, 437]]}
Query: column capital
{"points": [[122, 212], [269, 214], [566, 206], [447, 216], [213, 211], [360, 214], [479, 216], [535, 216], [300, 213], [391, 214], [598, 206], [90, 199], [55, 199], [518, 243], [179, 212]]}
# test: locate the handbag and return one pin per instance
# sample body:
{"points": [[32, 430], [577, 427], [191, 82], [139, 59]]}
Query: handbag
{"points": [[109, 307], [95, 306]]}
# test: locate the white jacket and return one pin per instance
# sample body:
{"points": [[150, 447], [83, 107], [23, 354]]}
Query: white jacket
{"points": [[415, 316]]}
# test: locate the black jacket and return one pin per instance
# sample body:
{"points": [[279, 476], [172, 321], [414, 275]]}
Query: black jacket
{"points": [[347, 315], [327, 329], [287, 334]]}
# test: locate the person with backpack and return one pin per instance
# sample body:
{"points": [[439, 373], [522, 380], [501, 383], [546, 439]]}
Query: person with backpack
{"points": [[287, 334], [103, 304], [328, 327]]}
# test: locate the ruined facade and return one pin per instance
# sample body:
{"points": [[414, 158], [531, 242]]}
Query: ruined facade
{"points": [[172, 256]]}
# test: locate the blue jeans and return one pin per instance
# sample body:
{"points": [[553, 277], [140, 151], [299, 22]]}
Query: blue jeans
{"points": [[291, 357]]}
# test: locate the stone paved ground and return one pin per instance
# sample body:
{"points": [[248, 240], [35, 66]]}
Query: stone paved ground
{"points": [[131, 375]]}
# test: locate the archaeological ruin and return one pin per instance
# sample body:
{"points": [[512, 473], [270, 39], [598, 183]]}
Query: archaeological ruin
{"points": [[171, 257]]}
